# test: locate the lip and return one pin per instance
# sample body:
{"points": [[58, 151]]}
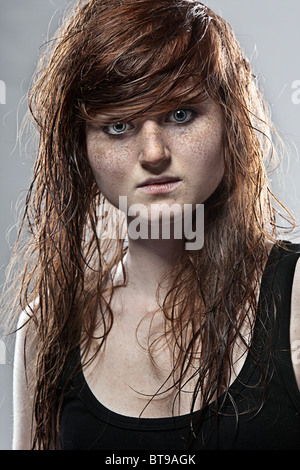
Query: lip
{"points": [[160, 185]]}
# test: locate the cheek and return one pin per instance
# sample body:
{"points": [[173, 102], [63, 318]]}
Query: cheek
{"points": [[204, 159], [106, 164], [206, 151]]}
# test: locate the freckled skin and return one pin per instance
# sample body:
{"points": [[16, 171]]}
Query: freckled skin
{"points": [[155, 146]]}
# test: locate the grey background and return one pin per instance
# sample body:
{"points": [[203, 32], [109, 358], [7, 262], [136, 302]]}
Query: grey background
{"points": [[268, 31]]}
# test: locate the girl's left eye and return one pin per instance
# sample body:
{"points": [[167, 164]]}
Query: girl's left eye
{"points": [[181, 116]]}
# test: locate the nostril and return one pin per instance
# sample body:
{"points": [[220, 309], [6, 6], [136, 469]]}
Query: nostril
{"points": [[154, 149], [154, 154]]}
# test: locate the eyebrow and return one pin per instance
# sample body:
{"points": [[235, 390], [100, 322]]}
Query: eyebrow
{"points": [[107, 119]]}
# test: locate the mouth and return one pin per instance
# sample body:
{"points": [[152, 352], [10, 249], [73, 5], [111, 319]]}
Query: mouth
{"points": [[159, 185]]}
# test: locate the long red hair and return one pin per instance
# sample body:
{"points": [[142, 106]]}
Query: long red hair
{"points": [[138, 55]]}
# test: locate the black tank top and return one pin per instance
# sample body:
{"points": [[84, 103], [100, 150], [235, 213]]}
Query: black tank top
{"points": [[251, 417]]}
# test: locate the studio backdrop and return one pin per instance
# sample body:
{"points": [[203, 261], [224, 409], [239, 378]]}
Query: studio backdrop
{"points": [[269, 33]]}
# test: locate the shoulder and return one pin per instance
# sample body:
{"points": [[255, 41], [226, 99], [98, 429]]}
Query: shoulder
{"points": [[295, 323], [23, 381], [26, 335]]}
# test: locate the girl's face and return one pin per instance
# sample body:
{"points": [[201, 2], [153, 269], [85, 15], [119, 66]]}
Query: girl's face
{"points": [[171, 158]]}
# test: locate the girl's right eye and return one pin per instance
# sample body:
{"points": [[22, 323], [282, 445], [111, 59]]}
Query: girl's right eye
{"points": [[117, 129]]}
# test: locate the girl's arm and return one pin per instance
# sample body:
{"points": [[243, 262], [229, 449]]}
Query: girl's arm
{"points": [[295, 324], [23, 380]]}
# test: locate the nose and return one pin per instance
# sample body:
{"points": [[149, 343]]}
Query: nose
{"points": [[154, 149]]}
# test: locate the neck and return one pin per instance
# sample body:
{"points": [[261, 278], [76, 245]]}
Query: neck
{"points": [[147, 261]]}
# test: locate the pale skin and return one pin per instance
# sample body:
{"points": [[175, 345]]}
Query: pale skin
{"points": [[152, 145]]}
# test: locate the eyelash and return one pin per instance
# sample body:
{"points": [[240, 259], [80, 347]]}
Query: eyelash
{"points": [[186, 122], [188, 110]]}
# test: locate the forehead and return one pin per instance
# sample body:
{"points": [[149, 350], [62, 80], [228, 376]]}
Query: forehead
{"points": [[181, 96]]}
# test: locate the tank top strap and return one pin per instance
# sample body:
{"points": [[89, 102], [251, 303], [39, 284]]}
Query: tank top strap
{"points": [[276, 290], [282, 273], [276, 285]]}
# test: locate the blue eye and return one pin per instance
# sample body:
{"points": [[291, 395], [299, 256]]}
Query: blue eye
{"points": [[116, 129], [181, 115]]}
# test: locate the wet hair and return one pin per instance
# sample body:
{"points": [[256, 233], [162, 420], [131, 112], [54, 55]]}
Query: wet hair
{"points": [[132, 57]]}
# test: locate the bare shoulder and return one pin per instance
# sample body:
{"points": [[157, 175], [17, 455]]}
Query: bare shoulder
{"points": [[295, 323], [25, 338], [23, 380]]}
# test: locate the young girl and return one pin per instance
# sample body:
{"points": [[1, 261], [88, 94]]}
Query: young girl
{"points": [[147, 340]]}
